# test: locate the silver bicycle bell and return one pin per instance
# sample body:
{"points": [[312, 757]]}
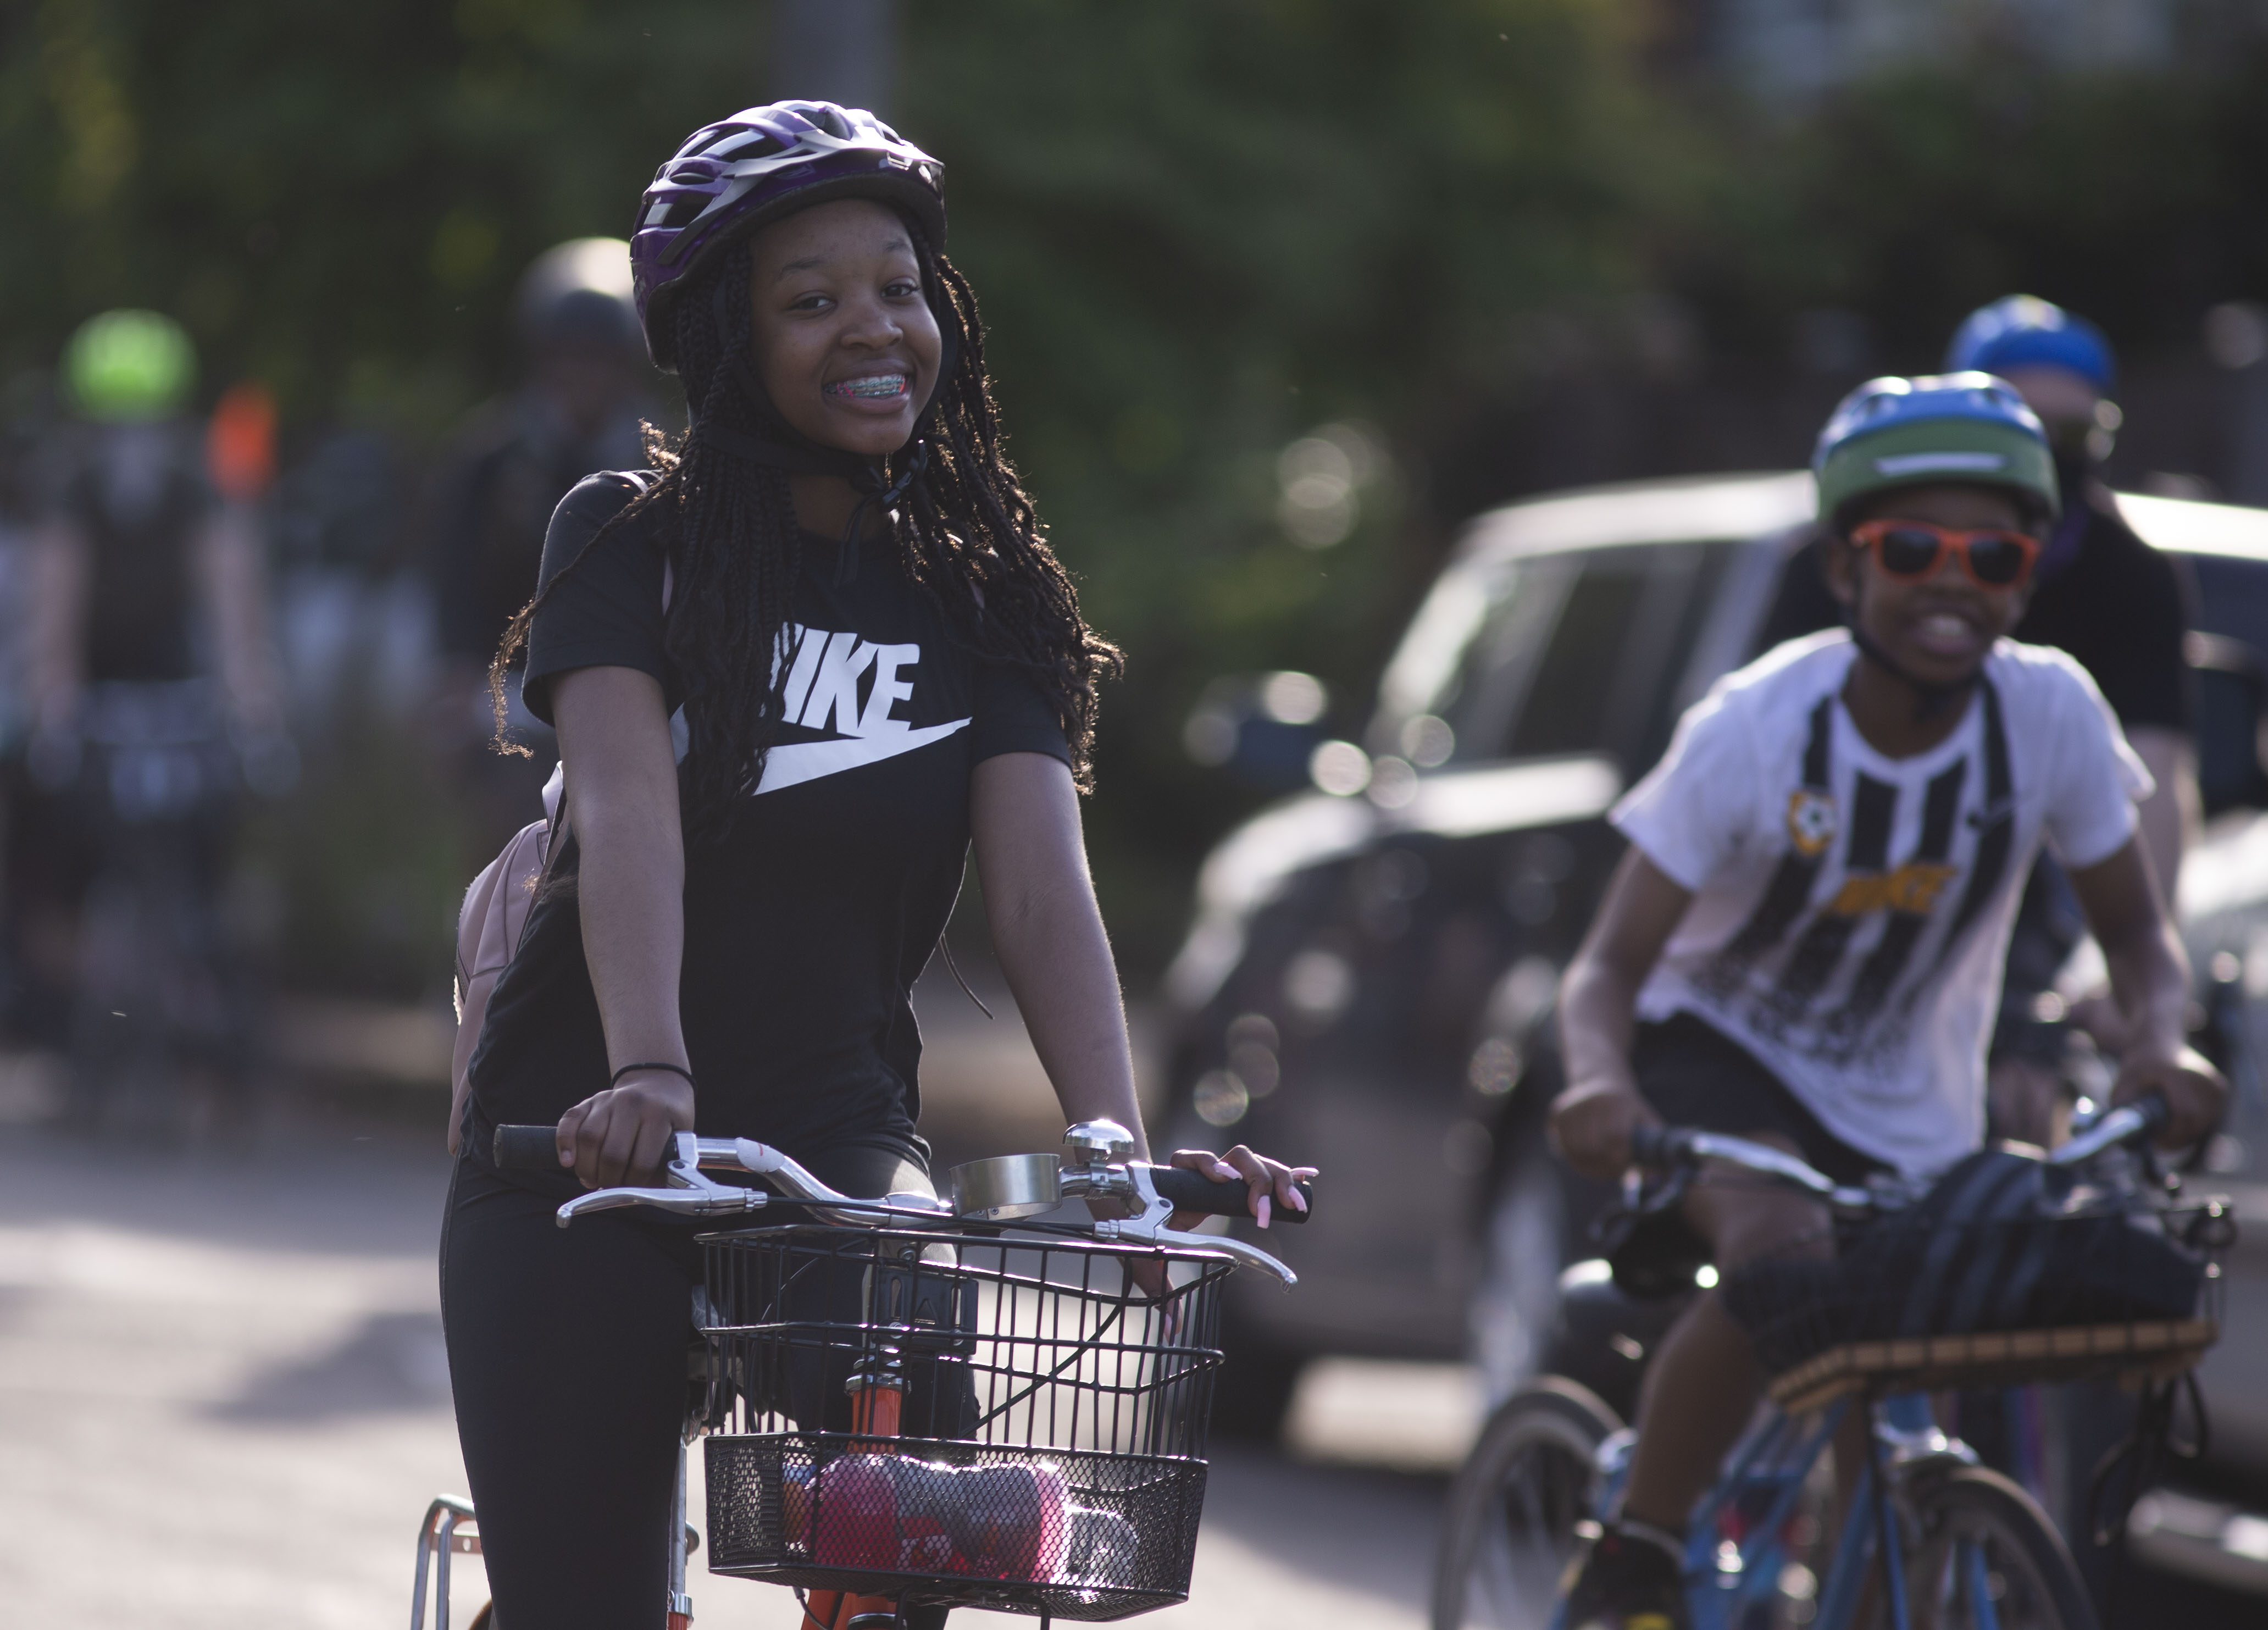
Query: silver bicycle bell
{"points": [[1096, 1143]]}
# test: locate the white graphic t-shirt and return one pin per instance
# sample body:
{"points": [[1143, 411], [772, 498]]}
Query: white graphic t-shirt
{"points": [[1851, 911]]}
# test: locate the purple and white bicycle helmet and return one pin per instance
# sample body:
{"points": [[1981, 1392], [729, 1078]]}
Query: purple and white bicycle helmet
{"points": [[734, 176]]}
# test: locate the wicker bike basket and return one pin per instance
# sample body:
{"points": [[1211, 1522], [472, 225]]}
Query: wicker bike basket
{"points": [[1048, 1456], [1921, 1304]]}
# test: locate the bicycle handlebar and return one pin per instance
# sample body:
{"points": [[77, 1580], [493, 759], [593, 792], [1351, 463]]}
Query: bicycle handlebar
{"points": [[2129, 1123], [527, 1148], [1154, 1192], [536, 1148], [1663, 1148]]}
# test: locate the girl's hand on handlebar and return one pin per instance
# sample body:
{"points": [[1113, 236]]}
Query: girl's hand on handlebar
{"points": [[623, 1134], [1591, 1126], [1269, 1182], [2195, 1092]]}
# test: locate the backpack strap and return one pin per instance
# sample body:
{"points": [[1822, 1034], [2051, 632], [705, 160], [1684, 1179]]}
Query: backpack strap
{"points": [[554, 790]]}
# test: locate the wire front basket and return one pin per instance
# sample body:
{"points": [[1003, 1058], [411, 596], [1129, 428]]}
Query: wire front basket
{"points": [[976, 1419], [1926, 1303]]}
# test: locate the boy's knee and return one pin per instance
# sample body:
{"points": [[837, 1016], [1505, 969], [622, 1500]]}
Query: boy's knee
{"points": [[1791, 1228], [1744, 1222]]}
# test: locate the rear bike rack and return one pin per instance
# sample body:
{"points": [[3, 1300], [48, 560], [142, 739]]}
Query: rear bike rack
{"points": [[438, 1538]]}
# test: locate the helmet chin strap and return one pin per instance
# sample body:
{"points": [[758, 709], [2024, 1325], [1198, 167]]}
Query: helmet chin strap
{"points": [[1932, 700]]}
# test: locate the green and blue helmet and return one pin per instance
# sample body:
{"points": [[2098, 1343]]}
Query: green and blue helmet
{"points": [[1903, 433]]}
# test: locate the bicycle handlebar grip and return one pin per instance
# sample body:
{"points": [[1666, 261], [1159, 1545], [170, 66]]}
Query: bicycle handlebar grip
{"points": [[527, 1148], [1654, 1147], [2155, 1111], [1193, 1191]]}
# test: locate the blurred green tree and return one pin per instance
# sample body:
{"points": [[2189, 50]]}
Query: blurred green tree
{"points": [[1912, 197], [336, 197], [1202, 229]]}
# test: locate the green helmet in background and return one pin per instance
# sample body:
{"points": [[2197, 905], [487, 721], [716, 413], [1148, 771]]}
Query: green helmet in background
{"points": [[129, 367], [1970, 427]]}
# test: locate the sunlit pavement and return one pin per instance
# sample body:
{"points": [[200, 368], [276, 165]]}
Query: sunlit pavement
{"points": [[223, 1402]]}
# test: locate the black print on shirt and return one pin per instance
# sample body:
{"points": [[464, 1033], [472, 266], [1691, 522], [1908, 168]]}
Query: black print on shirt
{"points": [[1793, 1005]]}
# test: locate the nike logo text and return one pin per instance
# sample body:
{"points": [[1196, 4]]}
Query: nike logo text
{"points": [[824, 668]]}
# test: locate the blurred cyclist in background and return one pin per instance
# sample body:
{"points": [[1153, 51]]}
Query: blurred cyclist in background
{"points": [[154, 704], [578, 410], [2105, 597]]}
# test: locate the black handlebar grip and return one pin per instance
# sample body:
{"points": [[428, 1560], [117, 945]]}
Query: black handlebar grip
{"points": [[1654, 1146], [1193, 1191], [2155, 1111], [527, 1148]]}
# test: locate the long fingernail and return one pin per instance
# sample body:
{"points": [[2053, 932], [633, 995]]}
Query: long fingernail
{"points": [[1261, 1210], [1226, 1172], [1299, 1199]]}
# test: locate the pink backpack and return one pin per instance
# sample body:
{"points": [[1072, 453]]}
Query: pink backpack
{"points": [[489, 929]]}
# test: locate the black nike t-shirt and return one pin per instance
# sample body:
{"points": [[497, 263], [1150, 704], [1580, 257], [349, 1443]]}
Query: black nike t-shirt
{"points": [[806, 924]]}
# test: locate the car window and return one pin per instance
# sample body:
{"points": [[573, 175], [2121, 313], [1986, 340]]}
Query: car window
{"points": [[1567, 704], [2228, 668], [2232, 599], [1582, 657]]}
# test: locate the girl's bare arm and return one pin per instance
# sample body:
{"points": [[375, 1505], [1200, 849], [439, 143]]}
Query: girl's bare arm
{"points": [[621, 802]]}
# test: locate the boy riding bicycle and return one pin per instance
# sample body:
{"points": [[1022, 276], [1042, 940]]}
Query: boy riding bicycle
{"points": [[1803, 945]]}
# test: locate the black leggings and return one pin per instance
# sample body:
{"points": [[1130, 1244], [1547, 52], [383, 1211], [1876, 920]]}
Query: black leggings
{"points": [[567, 1354]]}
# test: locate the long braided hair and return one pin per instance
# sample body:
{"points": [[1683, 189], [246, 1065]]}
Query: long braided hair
{"points": [[968, 534]]}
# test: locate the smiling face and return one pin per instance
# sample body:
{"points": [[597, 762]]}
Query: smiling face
{"points": [[1937, 627], [844, 340]]}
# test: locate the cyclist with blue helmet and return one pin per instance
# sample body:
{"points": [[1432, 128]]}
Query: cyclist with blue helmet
{"points": [[1803, 944], [2101, 593]]}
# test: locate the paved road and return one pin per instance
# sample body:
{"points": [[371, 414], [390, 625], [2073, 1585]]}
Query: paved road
{"points": [[223, 1402]]}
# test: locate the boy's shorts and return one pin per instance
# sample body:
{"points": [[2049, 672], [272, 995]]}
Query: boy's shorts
{"points": [[1694, 1075]]}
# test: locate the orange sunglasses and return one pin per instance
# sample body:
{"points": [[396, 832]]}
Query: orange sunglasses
{"points": [[1993, 557]]}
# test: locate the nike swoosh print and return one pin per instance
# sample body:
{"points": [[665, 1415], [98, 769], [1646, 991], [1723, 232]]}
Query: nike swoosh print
{"points": [[798, 762]]}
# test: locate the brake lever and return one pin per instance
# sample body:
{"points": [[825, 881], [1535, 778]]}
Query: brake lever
{"points": [[709, 1200], [1229, 1245], [690, 1194]]}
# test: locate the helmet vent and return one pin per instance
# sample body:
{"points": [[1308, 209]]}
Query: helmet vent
{"points": [[677, 211], [753, 144], [828, 118]]}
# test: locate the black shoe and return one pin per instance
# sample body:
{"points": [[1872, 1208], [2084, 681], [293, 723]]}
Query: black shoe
{"points": [[1626, 1583]]}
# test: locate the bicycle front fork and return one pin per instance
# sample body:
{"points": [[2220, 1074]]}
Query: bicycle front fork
{"points": [[1737, 1543]]}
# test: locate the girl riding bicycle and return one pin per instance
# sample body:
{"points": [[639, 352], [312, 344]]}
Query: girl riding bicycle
{"points": [[797, 672], [1803, 946]]}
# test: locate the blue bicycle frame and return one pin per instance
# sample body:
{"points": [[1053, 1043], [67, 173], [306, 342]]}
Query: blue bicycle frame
{"points": [[1737, 1555]]}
